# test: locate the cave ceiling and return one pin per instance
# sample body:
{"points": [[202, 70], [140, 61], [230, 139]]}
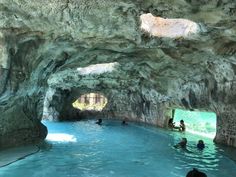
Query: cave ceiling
{"points": [[44, 42]]}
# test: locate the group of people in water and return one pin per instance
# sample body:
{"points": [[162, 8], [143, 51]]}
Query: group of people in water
{"points": [[181, 127], [183, 143], [99, 122]]}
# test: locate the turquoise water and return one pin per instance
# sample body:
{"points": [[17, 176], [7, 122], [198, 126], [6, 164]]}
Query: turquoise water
{"points": [[201, 123], [85, 149]]}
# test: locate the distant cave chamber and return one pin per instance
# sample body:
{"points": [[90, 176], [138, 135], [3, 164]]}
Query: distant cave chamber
{"points": [[90, 102], [67, 105]]}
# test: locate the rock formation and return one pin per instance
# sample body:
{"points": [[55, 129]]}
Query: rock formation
{"points": [[42, 43]]}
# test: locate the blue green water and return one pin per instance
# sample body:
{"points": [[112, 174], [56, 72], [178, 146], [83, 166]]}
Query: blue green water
{"points": [[202, 123], [85, 149]]}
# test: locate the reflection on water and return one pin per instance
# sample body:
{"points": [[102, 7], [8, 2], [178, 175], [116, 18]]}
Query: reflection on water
{"points": [[61, 137], [89, 150]]}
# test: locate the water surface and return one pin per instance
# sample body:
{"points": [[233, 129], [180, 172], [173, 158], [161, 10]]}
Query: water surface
{"points": [[85, 149]]}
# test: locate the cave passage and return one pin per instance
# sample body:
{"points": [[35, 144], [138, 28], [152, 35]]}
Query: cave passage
{"points": [[90, 102], [200, 123], [87, 149]]}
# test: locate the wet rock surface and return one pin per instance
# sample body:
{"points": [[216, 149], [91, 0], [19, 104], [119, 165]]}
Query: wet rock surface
{"points": [[42, 43]]}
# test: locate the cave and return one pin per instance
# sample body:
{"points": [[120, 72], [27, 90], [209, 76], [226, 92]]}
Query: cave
{"points": [[147, 58]]}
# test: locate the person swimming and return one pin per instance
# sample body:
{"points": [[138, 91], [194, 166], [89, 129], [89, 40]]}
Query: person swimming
{"points": [[200, 145], [171, 124], [99, 122], [182, 126], [195, 173], [182, 144], [124, 122]]}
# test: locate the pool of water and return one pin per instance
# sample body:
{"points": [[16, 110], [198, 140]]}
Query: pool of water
{"points": [[85, 149]]}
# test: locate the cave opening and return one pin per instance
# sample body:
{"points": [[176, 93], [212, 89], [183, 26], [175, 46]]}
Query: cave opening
{"points": [[197, 122], [90, 102], [166, 27]]}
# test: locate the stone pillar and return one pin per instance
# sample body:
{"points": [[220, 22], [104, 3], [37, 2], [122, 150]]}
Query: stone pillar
{"points": [[226, 131], [4, 63], [49, 111], [163, 114], [3, 79]]}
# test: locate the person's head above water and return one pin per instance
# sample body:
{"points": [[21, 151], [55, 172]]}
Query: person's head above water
{"points": [[182, 126], [195, 173], [171, 120], [200, 145], [99, 121], [124, 122], [182, 143], [184, 140], [200, 142]]}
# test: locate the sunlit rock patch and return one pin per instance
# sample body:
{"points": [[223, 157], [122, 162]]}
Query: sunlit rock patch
{"points": [[172, 28], [97, 68]]}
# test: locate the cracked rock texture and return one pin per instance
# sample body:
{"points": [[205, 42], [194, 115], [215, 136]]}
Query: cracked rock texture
{"points": [[42, 43]]}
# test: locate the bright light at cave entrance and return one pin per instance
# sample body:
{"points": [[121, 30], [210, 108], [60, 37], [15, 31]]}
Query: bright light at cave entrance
{"points": [[97, 68], [200, 123], [172, 28], [91, 101]]}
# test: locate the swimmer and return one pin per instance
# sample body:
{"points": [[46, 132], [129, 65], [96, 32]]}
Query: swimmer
{"points": [[99, 122], [182, 126], [200, 145], [171, 124], [124, 122], [182, 144], [195, 173]]}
